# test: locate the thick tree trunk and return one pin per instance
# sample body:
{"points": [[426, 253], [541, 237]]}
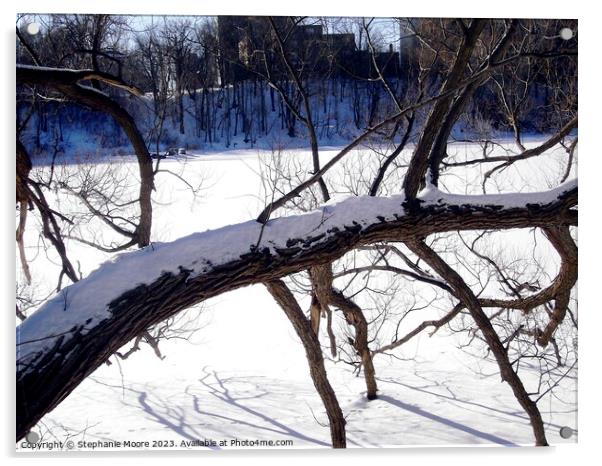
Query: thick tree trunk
{"points": [[356, 317], [439, 148], [313, 351], [419, 162], [322, 278]]}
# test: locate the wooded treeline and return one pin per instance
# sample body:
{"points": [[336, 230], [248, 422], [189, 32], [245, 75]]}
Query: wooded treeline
{"points": [[216, 81]]}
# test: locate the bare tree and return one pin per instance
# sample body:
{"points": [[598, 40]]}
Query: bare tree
{"points": [[415, 234]]}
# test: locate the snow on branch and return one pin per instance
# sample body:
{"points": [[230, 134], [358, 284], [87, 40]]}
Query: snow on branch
{"points": [[284, 245], [80, 328], [60, 76]]}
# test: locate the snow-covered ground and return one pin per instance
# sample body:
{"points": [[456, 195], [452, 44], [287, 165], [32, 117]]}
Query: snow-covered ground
{"points": [[243, 376]]}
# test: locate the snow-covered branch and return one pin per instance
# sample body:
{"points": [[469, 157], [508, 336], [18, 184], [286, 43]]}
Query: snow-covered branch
{"points": [[52, 76], [75, 332]]}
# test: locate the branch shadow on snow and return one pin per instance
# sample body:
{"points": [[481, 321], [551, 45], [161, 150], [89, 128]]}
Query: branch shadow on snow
{"points": [[176, 415], [448, 422], [172, 418], [220, 391], [456, 401], [167, 414]]}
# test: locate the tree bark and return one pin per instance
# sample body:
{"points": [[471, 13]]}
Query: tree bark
{"points": [[419, 162], [439, 148], [313, 351], [322, 281], [356, 317]]}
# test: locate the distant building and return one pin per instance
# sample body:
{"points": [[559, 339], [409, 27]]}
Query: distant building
{"points": [[246, 43]]}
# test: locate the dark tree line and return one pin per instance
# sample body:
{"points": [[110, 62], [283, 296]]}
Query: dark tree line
{"points": [[214, 83]]}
